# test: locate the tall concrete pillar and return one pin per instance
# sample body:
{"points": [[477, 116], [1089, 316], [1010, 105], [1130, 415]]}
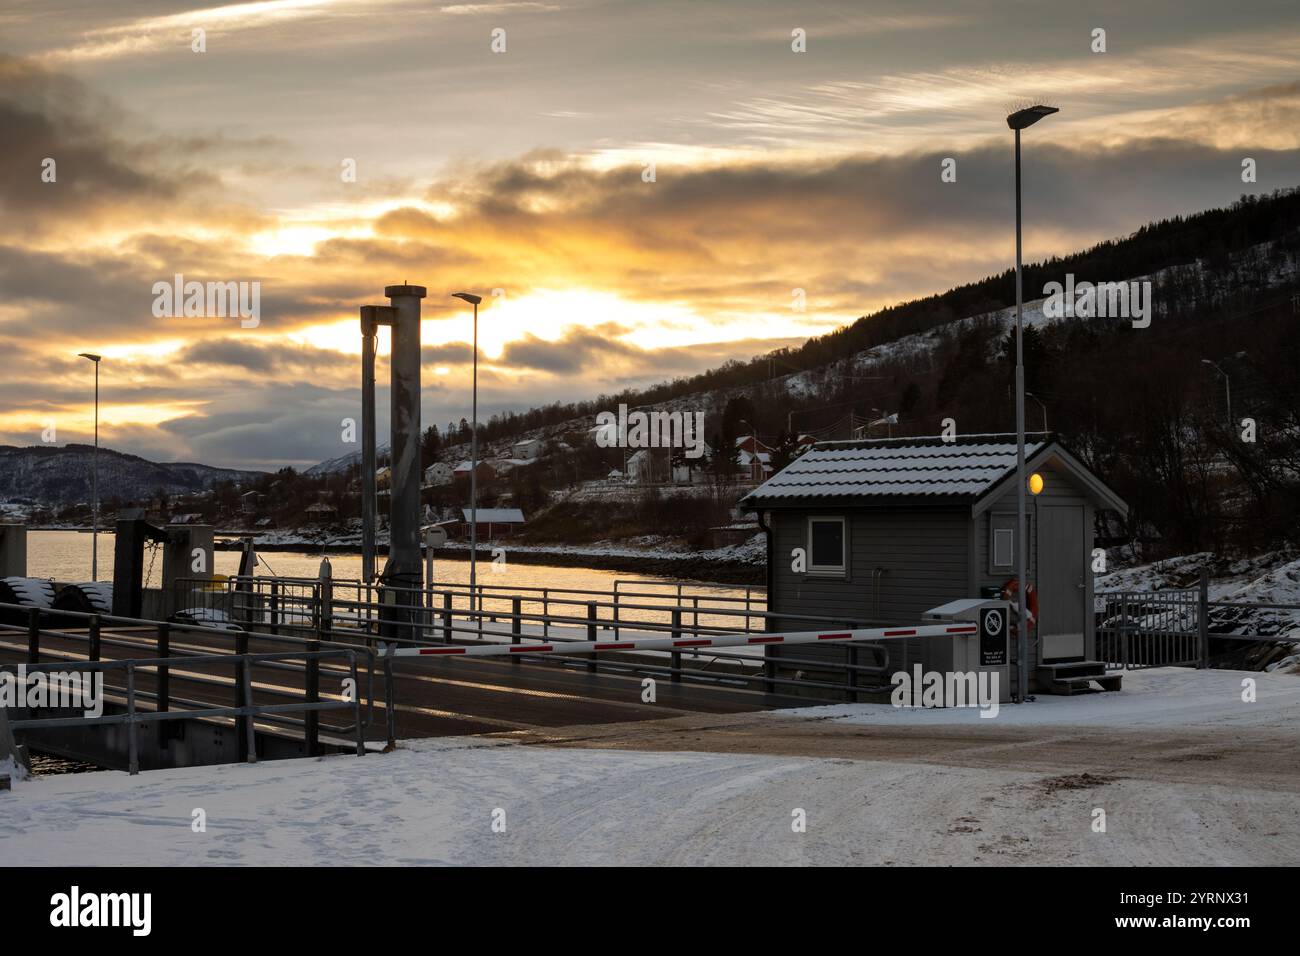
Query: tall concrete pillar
{"points": [[404, 518], [369, 332]]}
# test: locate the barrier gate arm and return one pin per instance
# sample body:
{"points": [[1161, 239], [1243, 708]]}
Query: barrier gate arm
{"points": [[688, 643]]}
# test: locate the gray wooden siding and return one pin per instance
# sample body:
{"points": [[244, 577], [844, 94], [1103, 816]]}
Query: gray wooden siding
{"points": [[924, 552], [1058, 489]]}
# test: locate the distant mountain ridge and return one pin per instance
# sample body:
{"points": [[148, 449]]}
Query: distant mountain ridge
{"points": [[62, 475]]}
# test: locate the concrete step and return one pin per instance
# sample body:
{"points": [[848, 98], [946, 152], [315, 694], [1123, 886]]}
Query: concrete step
{"points": [[1082, 684], [1072, 669]]}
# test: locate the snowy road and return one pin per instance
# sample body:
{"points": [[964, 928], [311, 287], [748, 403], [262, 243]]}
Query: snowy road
{"points": [[434, 804], [721, 789]]}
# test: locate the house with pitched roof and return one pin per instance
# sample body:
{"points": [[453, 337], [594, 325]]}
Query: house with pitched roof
{"points": [[882, 531]]}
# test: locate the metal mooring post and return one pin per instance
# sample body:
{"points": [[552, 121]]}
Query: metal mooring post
{"points": [[1203, 617], [591, 635]]}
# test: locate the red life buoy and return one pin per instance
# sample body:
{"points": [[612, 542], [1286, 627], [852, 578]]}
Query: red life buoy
{"points": [[1009, 591]]}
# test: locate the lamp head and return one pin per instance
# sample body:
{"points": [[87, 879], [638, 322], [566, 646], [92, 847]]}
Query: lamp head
{"points": [[1021, 119], [469, 297], [90, 355]]}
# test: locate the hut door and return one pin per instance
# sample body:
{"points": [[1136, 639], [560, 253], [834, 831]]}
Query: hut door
{"points": [[1061, 592]]}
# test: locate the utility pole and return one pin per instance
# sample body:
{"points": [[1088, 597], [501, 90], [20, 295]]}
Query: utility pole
{"points": [[1018, 121]]}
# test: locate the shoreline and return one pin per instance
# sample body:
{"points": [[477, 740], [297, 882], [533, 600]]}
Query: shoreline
{"points": [[688, 567], [701, 569]]}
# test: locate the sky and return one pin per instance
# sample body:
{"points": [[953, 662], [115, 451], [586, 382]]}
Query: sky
{"points": [[637, 189]]}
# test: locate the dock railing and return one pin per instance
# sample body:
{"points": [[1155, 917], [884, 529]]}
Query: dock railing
{"points": [[51, 639], [378, 617], [1174, 627], [245, 711]]}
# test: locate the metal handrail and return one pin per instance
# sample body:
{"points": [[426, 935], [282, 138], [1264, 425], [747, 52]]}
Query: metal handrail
{"points": [[247, 711], [508, 589], [694, 609], [94, 620], [416, 619]]}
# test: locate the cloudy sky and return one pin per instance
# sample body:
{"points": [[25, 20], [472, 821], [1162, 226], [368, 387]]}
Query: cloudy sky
{"points": [[642, 185]]}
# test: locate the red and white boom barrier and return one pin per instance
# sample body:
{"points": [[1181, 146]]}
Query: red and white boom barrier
{"points": [[689, 643]]}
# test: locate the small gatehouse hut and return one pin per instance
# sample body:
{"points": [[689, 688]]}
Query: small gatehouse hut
{"points": [[892, 528]]}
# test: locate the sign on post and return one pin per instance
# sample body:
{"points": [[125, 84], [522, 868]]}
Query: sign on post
{"points": [[994, 630]]}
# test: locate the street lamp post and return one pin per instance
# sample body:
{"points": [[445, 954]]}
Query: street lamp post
{"points": [[1021, 119], [1227, 386], [474, 300], [94, 476]]}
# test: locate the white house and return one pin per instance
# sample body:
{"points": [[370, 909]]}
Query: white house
{"points": [[439, 473], [528, 449], [640, 467]]}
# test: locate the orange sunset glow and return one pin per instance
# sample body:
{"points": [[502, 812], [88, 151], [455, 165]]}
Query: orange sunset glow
{"points": [[644, 190]]}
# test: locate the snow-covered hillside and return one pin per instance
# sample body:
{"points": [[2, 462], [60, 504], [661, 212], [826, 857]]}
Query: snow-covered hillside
{"points": [[1258, 264], [340, 465], [1271, 578]]}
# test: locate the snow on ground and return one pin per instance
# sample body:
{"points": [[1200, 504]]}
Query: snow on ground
{"points": [[12, 769], [433, 802], [1171, 697]]}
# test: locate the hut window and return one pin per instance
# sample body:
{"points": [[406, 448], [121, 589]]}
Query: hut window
{"points": [[826, 545], [1002, 541]]}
